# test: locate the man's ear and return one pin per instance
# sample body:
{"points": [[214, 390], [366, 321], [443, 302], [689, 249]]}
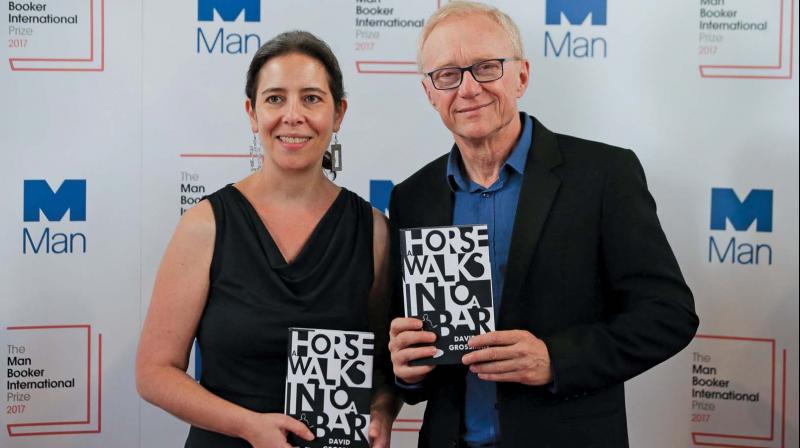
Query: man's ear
{"points": [[428, 92], [524, 77]]}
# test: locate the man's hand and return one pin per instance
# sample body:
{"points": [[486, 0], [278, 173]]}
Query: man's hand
{"points": [[510, 356], [404, 333]]}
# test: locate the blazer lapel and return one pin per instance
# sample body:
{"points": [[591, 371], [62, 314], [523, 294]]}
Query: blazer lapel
{"points": [[538, 190]]}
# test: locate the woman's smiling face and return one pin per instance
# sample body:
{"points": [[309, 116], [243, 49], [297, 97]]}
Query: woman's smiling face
{"points": [[294, 113]]}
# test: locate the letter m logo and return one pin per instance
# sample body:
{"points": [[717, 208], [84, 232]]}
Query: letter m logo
{"points": [[575, 11], [38, 196], [229, 10], [726, 206]]}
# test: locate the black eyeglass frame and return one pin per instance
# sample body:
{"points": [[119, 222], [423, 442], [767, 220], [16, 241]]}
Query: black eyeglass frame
{"points": [[469, 69]]}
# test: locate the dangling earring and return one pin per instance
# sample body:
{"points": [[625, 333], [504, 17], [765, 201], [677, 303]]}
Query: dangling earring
{"points": [[256, 155], [336, 154]]}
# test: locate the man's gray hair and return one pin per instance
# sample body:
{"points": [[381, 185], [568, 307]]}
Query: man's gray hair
{"points": [[459, 8]]}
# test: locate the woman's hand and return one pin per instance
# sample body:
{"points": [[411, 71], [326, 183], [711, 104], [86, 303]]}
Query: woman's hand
{"points": [[383, 410], [271, 431], [380, 427]]}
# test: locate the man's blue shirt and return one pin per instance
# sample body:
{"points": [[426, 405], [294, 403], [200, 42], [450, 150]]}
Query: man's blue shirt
{"points": [[495, 206]]}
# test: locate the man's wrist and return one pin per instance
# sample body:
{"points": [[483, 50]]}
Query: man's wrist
{"points": [[407, 385]]}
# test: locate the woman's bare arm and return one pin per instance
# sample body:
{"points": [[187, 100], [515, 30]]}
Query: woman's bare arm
{"points": [[385, 403], [177, 303]]}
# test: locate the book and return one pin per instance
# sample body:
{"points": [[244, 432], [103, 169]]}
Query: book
{"points": [[447, 283], [329, 385]]}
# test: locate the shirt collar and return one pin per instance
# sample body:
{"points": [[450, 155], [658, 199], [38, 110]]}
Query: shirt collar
{"points": [[458, 180]]}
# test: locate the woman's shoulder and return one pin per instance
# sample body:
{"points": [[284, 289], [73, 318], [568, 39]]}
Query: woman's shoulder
{"points": [[223, 193], [353, 202], [380, 224], [198, 222]]}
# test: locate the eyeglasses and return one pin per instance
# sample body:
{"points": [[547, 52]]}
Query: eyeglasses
{"points": [[484, 71]]}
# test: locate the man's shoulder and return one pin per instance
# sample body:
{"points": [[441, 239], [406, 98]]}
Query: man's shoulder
{"points": [[574, 152], [589, 164], [579, 149], [424, 178], [579, 155]]}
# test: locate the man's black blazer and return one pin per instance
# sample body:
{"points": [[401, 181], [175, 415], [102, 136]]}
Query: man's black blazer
{"points": [[589, 271]]}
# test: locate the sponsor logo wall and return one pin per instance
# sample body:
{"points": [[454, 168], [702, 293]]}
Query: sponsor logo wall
{"points": [[561, 42], [119, 116], [40, 199]]}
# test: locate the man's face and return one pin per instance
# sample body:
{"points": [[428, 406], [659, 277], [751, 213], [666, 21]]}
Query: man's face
{"points": [[474, 111]]}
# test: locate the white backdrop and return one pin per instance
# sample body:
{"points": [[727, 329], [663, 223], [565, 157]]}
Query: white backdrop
{"points": [[134, 108]]}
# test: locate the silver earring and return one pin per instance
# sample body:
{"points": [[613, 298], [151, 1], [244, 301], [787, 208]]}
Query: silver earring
{"points": [[336, 154], [255, 154]]}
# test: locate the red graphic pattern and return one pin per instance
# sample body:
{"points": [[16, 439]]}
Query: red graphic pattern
{"points": [[88, 418]]}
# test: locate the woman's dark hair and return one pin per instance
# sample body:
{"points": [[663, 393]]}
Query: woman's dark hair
{"points": [[305, 43]]}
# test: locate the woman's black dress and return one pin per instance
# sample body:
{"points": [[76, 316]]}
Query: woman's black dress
{"points": [[255, 296]]}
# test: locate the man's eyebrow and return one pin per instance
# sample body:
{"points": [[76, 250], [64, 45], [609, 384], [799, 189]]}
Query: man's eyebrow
{"points": [[450, 64], [444, 65]]}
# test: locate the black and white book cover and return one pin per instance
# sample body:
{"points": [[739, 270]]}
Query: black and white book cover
{"points": [[329, 385], [447, 283]]}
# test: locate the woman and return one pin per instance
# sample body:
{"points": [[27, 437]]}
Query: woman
{"points": [[283, 247]]}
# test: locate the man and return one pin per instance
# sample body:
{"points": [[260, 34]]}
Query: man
{"points": [[586, 289]]}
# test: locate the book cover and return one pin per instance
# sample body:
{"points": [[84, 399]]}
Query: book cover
{"points": [[329, 386], [447, 283]]}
